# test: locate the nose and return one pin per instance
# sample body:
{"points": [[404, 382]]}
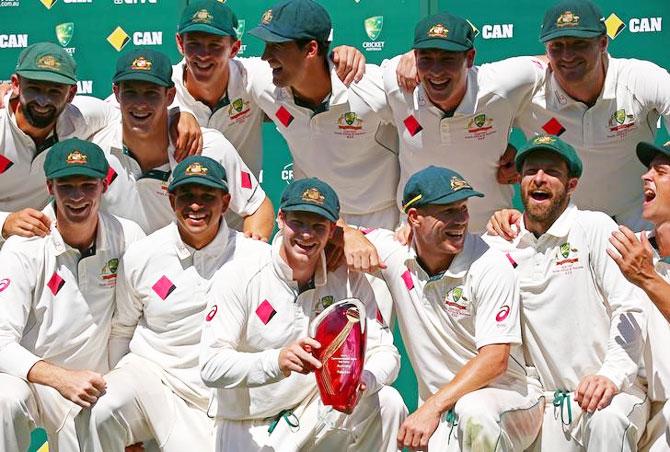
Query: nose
{"points": [[648, 175], [538, 178]]}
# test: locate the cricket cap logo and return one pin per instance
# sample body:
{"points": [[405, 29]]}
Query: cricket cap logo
{"points": [[544, 140], [567, 19], [202, 16], [458, 184], [141, 64], [196, 169], [48, 62], [267, 17], [438, 31], [313, 195], [76, 158]]}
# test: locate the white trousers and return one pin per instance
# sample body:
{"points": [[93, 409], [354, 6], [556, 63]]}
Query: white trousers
{"points": [[25, 406], [490, 419], [616, 428], [657, 435], [138, 407], [373, 426]]}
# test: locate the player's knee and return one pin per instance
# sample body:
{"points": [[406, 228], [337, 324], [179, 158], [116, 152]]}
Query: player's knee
{"points": [[608, 422], [391, 403], [11, 405], [102, 413]]}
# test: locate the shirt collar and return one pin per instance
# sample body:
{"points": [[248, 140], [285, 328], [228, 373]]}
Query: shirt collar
{"points": [[560, 228], [285, 272], [185, 251], [59, 245]]}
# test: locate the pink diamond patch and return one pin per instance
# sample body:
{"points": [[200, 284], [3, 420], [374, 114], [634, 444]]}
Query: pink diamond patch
{"points": [[265, 311], [553, 127], [407, 278], [163, 287], [246, 180], [284, 116], [111, 175], [55, 283], [413, 126], [5, 163]]}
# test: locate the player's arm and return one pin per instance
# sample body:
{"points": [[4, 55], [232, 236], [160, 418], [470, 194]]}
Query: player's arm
{"points": [[349, 64], [489, 364], [635, 259], [382, 360], [128, 310], [19, 272], [259, 224], [625, 304], [221, 364], [24, 223], [351, 243], [185, 133]]}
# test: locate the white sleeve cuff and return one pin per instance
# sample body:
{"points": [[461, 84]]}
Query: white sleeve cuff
{"points": [[3, 218], [17, 361]]}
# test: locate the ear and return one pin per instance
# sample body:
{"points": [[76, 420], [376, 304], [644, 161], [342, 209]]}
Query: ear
{"points": [[71, 93], [105, 185], [312, 49], [572, 185], [171, 93], [333, 227], [180, 43], [171, 197], [15, 85], [50, 186], [470, 57], [280, 219], [235, 47], [226, 202], [412, 217], [603, 43], [115, 90]]}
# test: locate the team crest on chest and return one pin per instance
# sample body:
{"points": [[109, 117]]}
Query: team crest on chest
{"points": [[349, 125], [479, 127], [456, 303], [567, 259], [323, 303], [621, 123], [239, 110], [109, 272]]}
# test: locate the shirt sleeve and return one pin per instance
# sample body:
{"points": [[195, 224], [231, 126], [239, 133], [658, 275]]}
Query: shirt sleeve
{"points": [[382, 360], [3, 218], [97, 114], [651, 86], [258, 76], [129, 309], [17, 277], [625, 303], [246, 194], [496, 301], [221, 364]]}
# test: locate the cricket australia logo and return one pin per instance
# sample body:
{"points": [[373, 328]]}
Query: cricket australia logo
{"points": [[238, 110], [313, 195], [64, 33], [109, 272], [76, 158], [196, 169], [48, 62], [479, 127], [349, 124], [456, 303], [141, 64], [458, 184], [373, 28], [620, 120], [438, 31], [202, 16]]}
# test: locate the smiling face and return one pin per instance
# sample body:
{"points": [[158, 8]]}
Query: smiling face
{"points": [[576, 60], [143, 105], [545, 189], [444, 75], [207, 55], [77, 198], [439, 230], [288, 61], [305, 235], [42, 102], [656, 185], [198, 210]]}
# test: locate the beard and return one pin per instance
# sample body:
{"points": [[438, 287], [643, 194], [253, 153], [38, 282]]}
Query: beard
{"points": [[40, 120], [545, 214]]}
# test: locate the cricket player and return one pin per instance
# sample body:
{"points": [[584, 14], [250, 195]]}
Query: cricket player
{"points": [[584, 325], [155, 390], [141, 152], [457, 304], [602, 106], [323, 120], [41, 109], [644, 262], [257, 353], [215, 86], [56, 303], [460, 115]]}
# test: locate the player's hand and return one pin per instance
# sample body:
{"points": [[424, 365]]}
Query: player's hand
{"points": [[417, 429], [255, 236], [82, 387], [4, 89], [595, 392], [360, 253], [26, 223], [137, 447], [186, 135], [297, 357], [635, 257], [504, 223], [507, 173], [349, 64], [403, 234], [406, 73]]}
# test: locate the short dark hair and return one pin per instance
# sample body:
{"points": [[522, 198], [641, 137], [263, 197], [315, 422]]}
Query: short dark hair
{"points": [[322, 46]]}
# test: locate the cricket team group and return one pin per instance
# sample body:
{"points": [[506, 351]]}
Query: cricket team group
{"points": [[144, 304]]}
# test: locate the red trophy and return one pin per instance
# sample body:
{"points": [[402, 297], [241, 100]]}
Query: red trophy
{"points": [[340, 329]]}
